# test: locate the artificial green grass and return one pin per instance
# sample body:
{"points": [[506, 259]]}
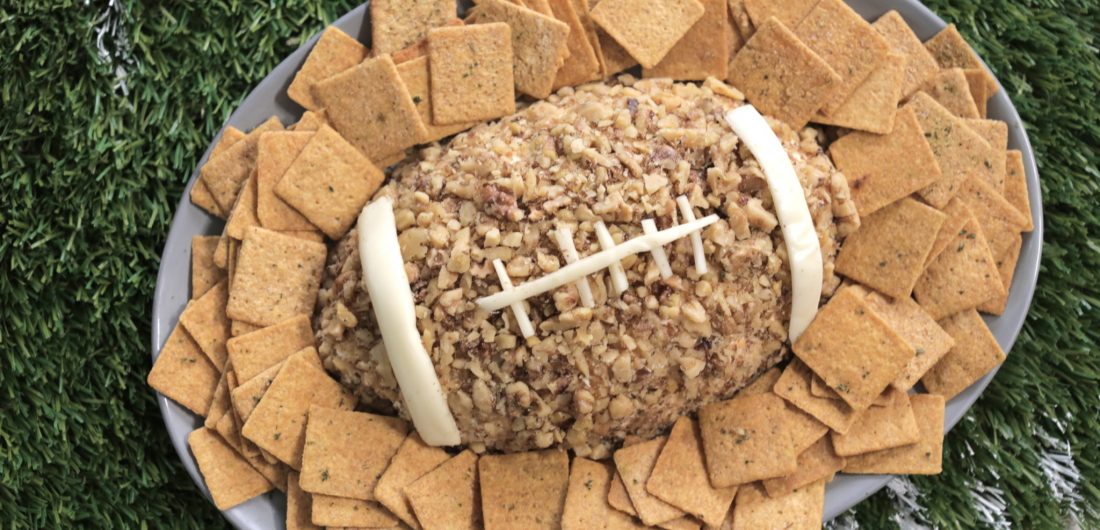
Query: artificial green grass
{"points": [[91, 170]]}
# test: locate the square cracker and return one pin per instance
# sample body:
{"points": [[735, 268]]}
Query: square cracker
{"points": [[337, 462], [1000, 221], [995, 133], [334, 52], [225, 174], [763, 382], [329, 182], [922, 458], [615, 57], [219, 402], [420, 48], [976, 352], [277, 424], [789, 12], [310, 121], [586, 503], [804, 428], [259, 350], [635, 463], [853, 349], [183, 373], [299, 506], [647, 29], [277, 277], [329, 511], [523, 490], [1016, 187], [228, 476], [919, 329], [874, 103], [276, 152], [802, 509], [200, 194], [204, 272], [817, 462], [703, 52], [582, 65], [248, 394], [396, 24], [413, 460], [958, 149], [239, 327], [880, 428], [975, 77], [372, 109], [963, 276], [618, 498], [846, 42], [415, 75], [882, 169], [460, 508], [952, 51], [794, 387], [951, 89], [744, 440], [957, 216], [206, 322], [583, 9], [742, 22], [781, 76], [889, 250], [1006, 265], [471, 76], [243, 215], [679, 476], [919, 64], [539, 45]]}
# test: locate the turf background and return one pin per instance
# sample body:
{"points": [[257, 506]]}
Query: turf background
{"points": [[96, 144]]}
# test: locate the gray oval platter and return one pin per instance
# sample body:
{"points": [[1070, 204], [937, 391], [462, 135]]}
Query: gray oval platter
{"points": [[269, 98]]}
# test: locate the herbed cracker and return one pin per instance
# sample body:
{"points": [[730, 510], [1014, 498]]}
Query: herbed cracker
{"points": [[817, 462], [276, 152], [471, 73], [586, 504], [415, 75], [736, 40], [995, 133], [583, 10], [975, 77], [310, 121], [919, 329], [204, 272], [371, 108], [413, 459], [804, 428], [228, 476], [976, 352], [615, 57], [846, 42], [922, 458], [225, 175], [243, 215], [703, 52], [329, 511], [539, 46], [334, 52], [874, 104], [541, 7], [951, 89], [801, 509], [744, 440], [957, 216], [460, 508], [853, 349], [763, 383], [255, 352], [618, 498], [420, 48], [635, 464], [240, 327], [919, 64], [248, 394], [952, 51], [221, 254], [200, 194], [882, 169], [1000, 221], [205, 320], [229, 431], [523, 490], [183, 373], [647, 29], [789, 12], [1006, 265], [958, 149], [782, 76], [794, 387], [346, 451], [889, 250], [396, 24], [582, 65], [880, 428], [1016, 187], [963, 276], [299, 506], [219, 402], [278, 277], [679, 476]]}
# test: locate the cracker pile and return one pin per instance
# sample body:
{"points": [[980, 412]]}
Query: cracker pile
{"points": [[944, 205]]}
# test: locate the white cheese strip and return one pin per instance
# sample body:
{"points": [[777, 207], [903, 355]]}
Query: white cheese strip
{"points": [[696, 238], [618, 275], [592, 264], [803, 247], [518, 310], [649, 226], [564, 237], [392, 299]]}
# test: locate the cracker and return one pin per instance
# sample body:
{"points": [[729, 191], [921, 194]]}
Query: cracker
{"points": [[233, 255], [333, 53], [794, 387], [635, 464], [958, 149], [586, 504], [183, 373], [221, 254], [763, 383], [882, 169], [204, 272], [1006, 266], [523, 490], [880, 428], [683, 523], [618, 498], [345, 451], [919, 329], [275, 154], [957, 216], [647, 29], [804, 428], [583, 10], [415, 75], [952, 51], [789, 12], [1016, 187], [921, 458], [219, 402], [229, 431], [919, 64], [703, 52], [226, 174], [846, 42], [679, 476], [299, 506], [471, 73], [243, 215], [963, 276], [741, 19], [802, 509], [615, 57], [889, 250], [420, 48], [413, 459], [781, 76], [206, 322], [852, 349], [278, 277], [736, 40], [371, 108], [744, 440], [817, 462], [975, 78], [460, 508], [1000, 221], [819, 388], [396, 24], [228, 476], [995, 133], [539, 45], [976, 352], [951, 89], [310, 121], [329, 511], [874, 103], [200, 194], [582, 65], [277, 424], [255, 352], [239, 327], [247, 395]]}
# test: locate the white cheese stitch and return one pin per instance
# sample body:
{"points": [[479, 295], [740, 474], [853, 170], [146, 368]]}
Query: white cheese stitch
{"points": [[518, 310], [696, 238], [564, 237], [649, 226], [619, 283]]}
